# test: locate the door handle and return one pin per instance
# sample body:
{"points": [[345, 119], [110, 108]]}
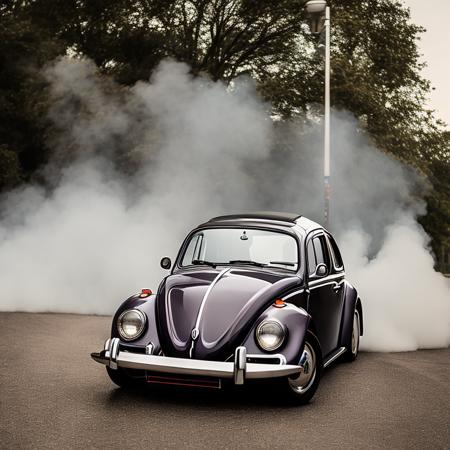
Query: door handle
{"points": [[337, 287]]}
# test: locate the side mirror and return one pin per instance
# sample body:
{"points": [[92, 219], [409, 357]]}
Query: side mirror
{"points": [[321, 270], [166, 263]]}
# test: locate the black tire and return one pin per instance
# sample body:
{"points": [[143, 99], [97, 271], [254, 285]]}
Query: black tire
{"points": [[352, 347], [120, 378], [300, 390]]}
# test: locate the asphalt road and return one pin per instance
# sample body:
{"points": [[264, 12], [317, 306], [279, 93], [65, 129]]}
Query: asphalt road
{"points": [[52, 395]]}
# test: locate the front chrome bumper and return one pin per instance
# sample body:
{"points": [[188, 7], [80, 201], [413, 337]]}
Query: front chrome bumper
{"points": [[239, 370]]}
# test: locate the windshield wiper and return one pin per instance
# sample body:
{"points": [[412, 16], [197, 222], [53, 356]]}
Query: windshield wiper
{"points": [[199, 262], [244, 261], [283, 263]]}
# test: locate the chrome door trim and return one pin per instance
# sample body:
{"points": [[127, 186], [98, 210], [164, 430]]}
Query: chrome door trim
{"points": [[299, 291], [334, 357], [329, 279]]}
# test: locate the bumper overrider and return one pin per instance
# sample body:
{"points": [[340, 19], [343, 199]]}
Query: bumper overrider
{"points": [[239, 370]]}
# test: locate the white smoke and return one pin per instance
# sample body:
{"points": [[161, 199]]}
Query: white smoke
{"points": [[200, 150], [406, 302]]}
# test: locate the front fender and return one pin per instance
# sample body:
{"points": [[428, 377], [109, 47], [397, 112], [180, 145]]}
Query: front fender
{"points": [[295, 320], [150, 335]]}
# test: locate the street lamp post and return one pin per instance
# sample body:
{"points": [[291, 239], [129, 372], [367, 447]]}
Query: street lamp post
{"points": [[320, 20]]}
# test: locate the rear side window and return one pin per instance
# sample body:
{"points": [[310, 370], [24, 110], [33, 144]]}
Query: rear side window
{"points": [[339, 264], [321, 249]]}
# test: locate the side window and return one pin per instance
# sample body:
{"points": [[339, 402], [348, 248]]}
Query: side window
{"points": [[318, 249], [321, 250], [311, 258], [317, 253], [339, 264]]}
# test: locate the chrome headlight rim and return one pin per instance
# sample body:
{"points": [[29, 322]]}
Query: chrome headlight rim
{"points": [[258, 333], [126, 337]]}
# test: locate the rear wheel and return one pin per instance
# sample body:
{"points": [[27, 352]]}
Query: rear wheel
{"points": [[300, 389], [353, 345]]}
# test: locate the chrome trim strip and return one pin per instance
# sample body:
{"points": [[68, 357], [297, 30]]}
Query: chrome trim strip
{"points": [[293, 293], [195, 330], [281, 358], [214, 282], [334, 357], [322, 285], [327, 278]]}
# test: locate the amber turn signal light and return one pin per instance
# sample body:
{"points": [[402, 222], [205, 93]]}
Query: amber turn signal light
{"points": [[279, 303]]}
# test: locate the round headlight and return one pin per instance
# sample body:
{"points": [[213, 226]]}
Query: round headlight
{"points": [[270, 334], [130, 324]]}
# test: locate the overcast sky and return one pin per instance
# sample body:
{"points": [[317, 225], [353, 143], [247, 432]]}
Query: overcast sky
{"points": [[434, 15]]}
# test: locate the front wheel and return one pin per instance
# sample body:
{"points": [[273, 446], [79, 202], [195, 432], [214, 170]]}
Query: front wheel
{"points": [[120, 378], [300, 389]]}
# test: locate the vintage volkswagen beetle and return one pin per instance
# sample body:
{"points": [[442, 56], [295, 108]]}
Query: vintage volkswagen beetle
{"points": [[250, 296]]}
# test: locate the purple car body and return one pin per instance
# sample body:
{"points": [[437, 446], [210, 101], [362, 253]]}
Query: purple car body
{"points": [[214, 321]]}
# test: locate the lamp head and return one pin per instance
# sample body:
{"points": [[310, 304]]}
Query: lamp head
{"points": [[315, 10]]}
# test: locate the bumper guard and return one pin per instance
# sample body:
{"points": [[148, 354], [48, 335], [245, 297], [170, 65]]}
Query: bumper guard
{"points": [[239, 370]]}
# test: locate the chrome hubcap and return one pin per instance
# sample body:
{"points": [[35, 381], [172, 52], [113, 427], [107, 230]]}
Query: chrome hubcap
{"points": [[355, 333], [305, 380]]}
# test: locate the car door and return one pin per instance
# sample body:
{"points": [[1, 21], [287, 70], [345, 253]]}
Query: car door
{"points": [[325, 299], [338, 275]]}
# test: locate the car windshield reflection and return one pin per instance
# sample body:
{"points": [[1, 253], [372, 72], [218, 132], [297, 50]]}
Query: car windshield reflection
{"points": [[238, 246]]}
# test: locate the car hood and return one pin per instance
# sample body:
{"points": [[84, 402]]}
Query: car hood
{"points": [[221, 304]]}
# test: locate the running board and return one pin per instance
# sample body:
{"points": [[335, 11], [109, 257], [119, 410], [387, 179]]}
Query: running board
{"points": [[335, 355]]}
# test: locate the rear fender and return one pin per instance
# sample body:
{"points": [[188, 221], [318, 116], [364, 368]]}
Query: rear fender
{"points": [[361, 321], [351, 301], [295, 320]]}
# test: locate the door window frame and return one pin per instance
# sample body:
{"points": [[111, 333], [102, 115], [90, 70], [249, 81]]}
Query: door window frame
{"points": [[318, 234], [329, 240]]}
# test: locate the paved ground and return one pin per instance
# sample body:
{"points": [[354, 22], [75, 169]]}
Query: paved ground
{"points": [[53, 396]]}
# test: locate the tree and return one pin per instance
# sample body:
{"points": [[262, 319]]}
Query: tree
{"points": [[223, 38], [376, 66], [24, 48]]}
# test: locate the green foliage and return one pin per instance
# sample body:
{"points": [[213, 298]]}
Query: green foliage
{"points": [[24, 48], [10, 172], [437, 221], [376, 68], [223, 38]]}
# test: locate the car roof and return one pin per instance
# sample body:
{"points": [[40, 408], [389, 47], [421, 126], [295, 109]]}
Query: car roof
{"points": [[259, 215], [279, 219]]}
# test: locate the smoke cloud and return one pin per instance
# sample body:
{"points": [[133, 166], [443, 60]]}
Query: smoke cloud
{"points": [[197, 149]]}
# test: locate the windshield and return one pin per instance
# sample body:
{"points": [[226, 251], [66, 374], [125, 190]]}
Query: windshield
{"points": [[242, 246]]}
